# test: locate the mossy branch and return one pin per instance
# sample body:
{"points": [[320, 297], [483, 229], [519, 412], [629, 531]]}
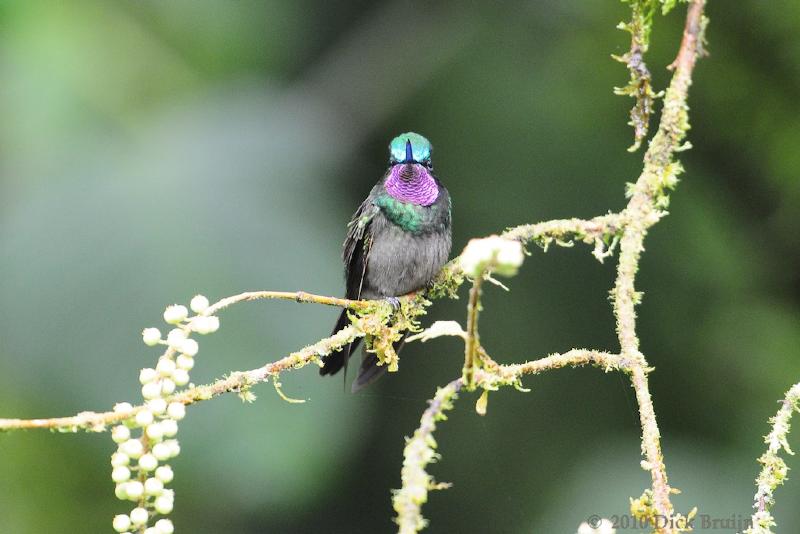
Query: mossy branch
{"points": [[420, 450], [774, 469]]}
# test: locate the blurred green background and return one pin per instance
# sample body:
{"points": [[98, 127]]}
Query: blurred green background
{"points": [[151, 150]]}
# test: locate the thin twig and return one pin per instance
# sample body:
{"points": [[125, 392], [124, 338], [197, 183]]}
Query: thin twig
{"points": [[472, 341], [296, 296], [572, 358]]}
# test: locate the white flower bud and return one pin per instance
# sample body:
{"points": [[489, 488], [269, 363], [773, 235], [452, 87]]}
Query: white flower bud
{"points": [[164, 526], [167, 386], [184, 362], [509, 258], [162, 451], [164, 504], [174, 447], [180, 377], [476, 256], [151, 390], [154, 431], [493, 253], [176, 337], [165, 366], [150, 530], [120, 433], [123, 407], [204, 325], [189, 347], [148, 462], [176, 410], [144, 417], [120, 458], [199, 304], [175, 314], [151, 336], [153, 486], [134, 489], [147, 375], [121, 474], [132, 447], [121, 492], [121, 523], [170, 427], [139, 516], [164, 474], [157, 406]]}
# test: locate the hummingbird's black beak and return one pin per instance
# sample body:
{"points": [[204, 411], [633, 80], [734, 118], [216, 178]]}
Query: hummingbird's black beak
{"points": [[409, 152]]}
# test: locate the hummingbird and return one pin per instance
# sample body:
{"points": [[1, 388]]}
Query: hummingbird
{"points": [[398, 239]]}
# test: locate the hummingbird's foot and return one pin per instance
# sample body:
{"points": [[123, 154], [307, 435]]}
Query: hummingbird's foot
{"points": [[394, 302]]}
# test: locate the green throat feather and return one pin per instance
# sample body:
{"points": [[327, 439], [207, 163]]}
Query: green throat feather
{"points": [[410, 217]]}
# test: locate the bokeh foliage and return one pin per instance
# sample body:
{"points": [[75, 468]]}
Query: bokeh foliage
{"points": [[151, 150]]}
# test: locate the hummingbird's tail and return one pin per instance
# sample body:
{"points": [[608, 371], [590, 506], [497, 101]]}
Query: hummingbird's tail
{"points": [[335, 361], [369, 371]]}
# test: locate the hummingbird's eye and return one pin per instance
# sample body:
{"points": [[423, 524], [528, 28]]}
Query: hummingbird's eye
{"points": [[429, 164]]}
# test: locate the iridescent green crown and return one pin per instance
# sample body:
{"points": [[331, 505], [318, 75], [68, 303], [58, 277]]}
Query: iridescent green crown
{"points": [[420, 148]]}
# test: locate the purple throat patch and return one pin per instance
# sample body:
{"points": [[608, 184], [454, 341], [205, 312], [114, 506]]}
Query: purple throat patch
{"points": [[412, 183]]}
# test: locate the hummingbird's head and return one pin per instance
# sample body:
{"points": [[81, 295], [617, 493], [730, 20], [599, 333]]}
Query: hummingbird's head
{"points": [[410, 148], [410, 176]]}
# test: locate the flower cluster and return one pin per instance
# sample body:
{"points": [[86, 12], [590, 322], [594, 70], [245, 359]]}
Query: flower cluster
{"points": [[139, 467]]}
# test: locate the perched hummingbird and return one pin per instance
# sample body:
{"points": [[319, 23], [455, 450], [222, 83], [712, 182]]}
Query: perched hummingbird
{"points": [[397, 241]]}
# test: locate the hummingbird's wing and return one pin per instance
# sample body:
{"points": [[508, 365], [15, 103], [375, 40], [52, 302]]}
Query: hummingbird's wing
{"points": [[357, 244], [355, 254]]}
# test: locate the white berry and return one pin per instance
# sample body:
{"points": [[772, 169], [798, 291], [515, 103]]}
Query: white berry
{"points": [[151, 336], [139, 516], [134, 489], [120, 433], [189, 347], [164, 526], [198, 304], [176, 410], [153, 486], [175, 314], [164, 474], [121, 474], [148, 462], [121, 523], [164, 504]]}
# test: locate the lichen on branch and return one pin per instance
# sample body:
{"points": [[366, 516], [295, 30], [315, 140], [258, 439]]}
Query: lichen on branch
{"points": [[420, 450], [774, 469]]}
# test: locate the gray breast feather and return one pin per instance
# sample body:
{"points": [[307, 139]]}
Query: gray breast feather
{"points": [[401, 262]]}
